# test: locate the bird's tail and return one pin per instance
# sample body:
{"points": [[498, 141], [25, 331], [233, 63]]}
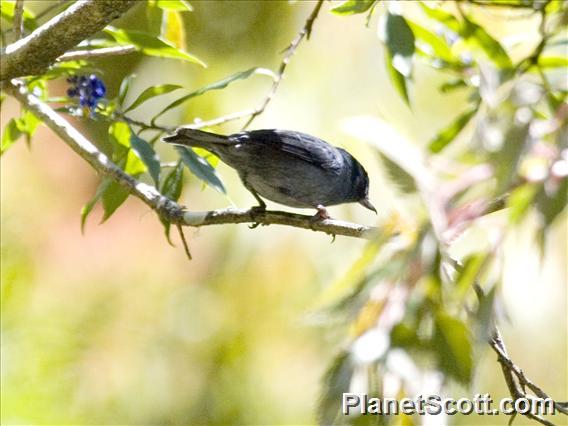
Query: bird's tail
{"points": [[195, 138]]}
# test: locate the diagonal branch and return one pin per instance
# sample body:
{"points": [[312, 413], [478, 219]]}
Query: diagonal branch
{"points": [[34, 53], [289, 52], [163, 206]]}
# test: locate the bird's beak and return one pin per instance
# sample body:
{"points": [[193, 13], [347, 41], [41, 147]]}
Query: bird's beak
{"points": [[366, 203]]}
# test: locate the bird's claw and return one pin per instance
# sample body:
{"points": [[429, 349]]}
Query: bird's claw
{"points": [[321, 213], [255, 211]]}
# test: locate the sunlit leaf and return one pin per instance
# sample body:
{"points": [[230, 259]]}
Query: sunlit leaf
{"points": [[173, 28], [87, 208], [146, 153], [552, 201], [553, 62], [399, 177], [478, 37], [200, 168], [446, 136], [468, 274], [7, 12], [442, 16], [352, 7], [151, 45], [10, 135], [221, 84], [175, 5], [119, 133], [124, 87], [433, 43], [453, 347], [152, 92], [452, 85], [171, 188], [399, 40], [335, 382], [520, 200], [113, 196]]}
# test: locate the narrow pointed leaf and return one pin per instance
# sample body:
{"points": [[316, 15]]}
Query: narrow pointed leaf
{"points": [[446, 136], [151, 45], [152, 92], [453, 347], [146, 153], [87, 208], [352, 7], [200, 168], [113, 196], [221, 84]]}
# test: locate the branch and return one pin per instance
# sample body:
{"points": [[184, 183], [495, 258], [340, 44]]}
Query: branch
{"points": [[289, 52], [514, 377], [19, 19], [163, 206], [34, 53], [77, 55]]}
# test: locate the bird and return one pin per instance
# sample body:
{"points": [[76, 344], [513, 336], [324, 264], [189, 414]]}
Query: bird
{"points": [[288, 167]]}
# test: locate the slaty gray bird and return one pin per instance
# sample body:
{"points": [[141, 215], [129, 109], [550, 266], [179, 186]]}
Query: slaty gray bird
{"points": [[288, 167]]}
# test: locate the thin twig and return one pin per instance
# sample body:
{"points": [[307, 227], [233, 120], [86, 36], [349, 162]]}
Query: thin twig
{"points": [[163, 206], [288, 53], [18, 20], [514, 377], [104, 52], [184, 241]]}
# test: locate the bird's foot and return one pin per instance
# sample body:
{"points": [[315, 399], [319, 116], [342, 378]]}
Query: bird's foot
{"points": [[321, 214], [254, 212]]}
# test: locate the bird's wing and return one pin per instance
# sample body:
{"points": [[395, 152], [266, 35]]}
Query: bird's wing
{"points": [[296, 144]]}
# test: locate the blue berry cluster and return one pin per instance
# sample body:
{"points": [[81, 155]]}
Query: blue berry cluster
{"points": [[89, 89]]}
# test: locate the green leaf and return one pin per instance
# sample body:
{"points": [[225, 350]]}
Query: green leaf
{"points": [[124, 86], [29, 124], [352, 7], [433, 43], [7, 12], [11, 134], [442, 16], [397, 79], [151, 45], [119, 133], [87, 208], [400, 43], [477, 37], [173, 28], [403, 181], [399, 39], [221, 84], [453, 347], [171, 188], [553, 62], [446, 136], [520, 200], [173, 183], [200, 168], [146, 153], [174, 5], [113, 196], [552, 201], [468, 274], [336, 381], [152, 92], [452, 85]]}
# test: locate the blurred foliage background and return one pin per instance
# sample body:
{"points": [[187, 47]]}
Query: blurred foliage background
{"points": [[116, 327]]}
